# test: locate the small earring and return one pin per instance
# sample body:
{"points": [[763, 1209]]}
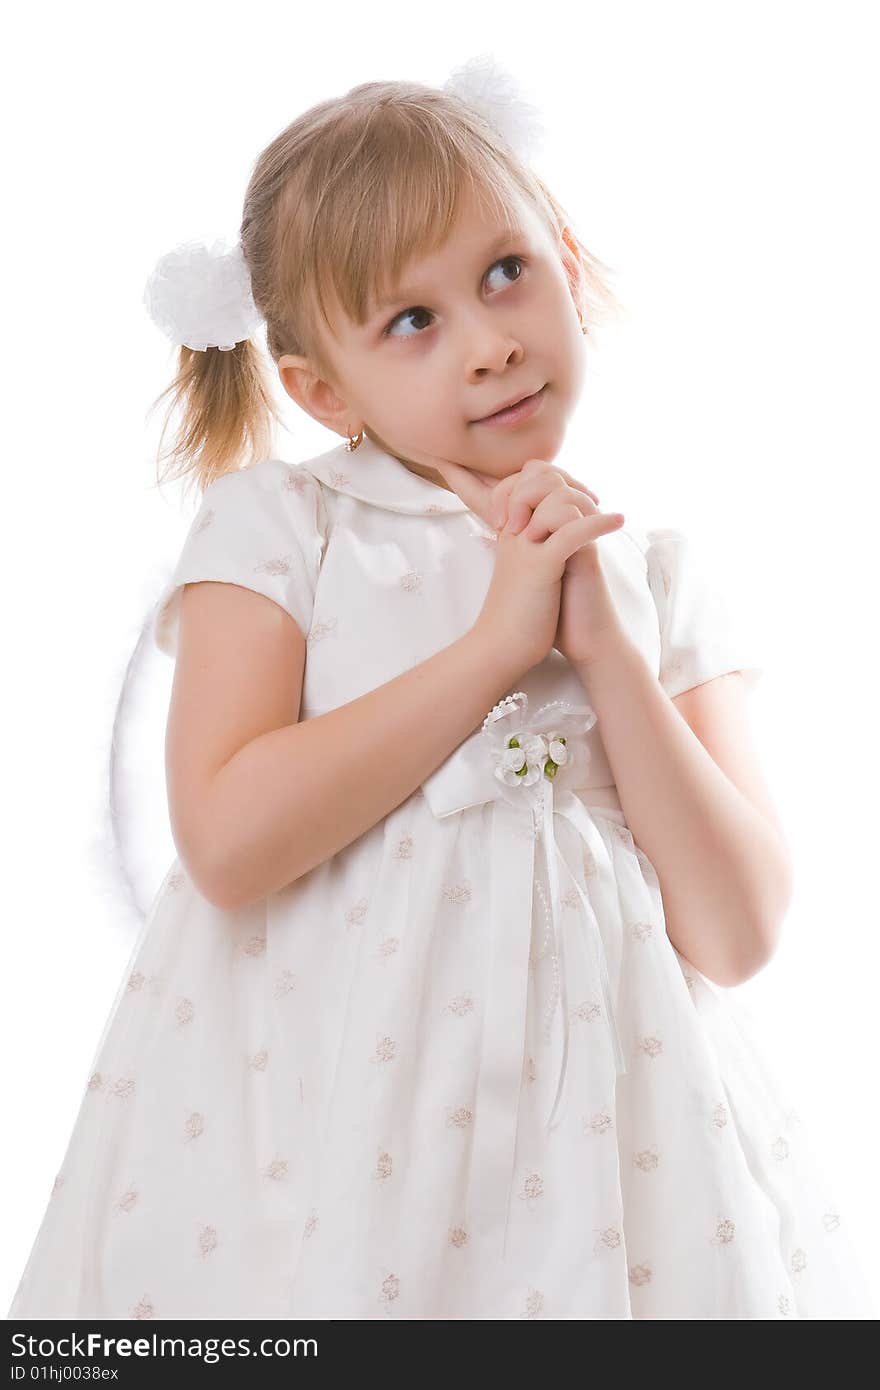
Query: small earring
{"points": [[354, 441]]}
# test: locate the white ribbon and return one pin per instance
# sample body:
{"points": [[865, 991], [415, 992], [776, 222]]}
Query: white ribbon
{"points": [[524, 814]]}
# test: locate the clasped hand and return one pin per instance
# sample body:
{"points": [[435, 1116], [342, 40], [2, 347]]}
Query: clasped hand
{"points": [[535, 502]]}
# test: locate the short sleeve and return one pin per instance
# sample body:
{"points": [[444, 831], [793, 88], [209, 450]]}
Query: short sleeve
{"points": [[262, 527], [701, 633]]}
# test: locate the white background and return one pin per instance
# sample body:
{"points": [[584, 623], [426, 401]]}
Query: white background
{"points": [[722, 159]]}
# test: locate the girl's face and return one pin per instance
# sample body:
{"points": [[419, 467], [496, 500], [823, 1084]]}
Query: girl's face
{"points": [[486, 319]]}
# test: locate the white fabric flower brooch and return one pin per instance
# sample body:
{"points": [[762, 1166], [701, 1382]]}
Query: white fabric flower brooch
{"points": [[528, 750]]}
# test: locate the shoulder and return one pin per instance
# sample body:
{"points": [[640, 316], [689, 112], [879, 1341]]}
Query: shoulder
{"points": [[667, 553], [649, 540], [269, 475], [272, 491], [653, 548], [261, 527]]}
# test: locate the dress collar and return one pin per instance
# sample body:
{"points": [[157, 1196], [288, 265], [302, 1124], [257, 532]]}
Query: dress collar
{"points": [[371, 474]]}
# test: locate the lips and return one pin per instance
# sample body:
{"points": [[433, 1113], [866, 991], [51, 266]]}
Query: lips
{"points": [[505, 405]]}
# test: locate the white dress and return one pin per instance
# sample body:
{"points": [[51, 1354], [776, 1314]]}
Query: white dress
{"points": [[458, 1070]]}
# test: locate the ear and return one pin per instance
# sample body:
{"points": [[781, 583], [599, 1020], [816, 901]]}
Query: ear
{"points": [[313, 394], [571, 260]]}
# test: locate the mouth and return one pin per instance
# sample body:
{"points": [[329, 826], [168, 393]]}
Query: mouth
{"points": [[519, 409]]}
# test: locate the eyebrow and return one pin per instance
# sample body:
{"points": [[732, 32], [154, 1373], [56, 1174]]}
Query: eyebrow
{"points": [[513, 234]]}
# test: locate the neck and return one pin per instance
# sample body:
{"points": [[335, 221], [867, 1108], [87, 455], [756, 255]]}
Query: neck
{"points": [[427, 473]]}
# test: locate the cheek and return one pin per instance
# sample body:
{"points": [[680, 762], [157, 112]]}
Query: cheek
{"points": [[424, 419], [576, 368]]}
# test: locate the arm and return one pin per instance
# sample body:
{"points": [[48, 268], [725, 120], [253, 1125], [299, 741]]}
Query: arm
{"points": [[724, 872], [294, 796]]}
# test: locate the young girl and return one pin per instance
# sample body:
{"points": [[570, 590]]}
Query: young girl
{"points": [[427, 1019]]}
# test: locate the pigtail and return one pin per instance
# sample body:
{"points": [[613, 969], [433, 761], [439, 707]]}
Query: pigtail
{"points": [[224, 411]]}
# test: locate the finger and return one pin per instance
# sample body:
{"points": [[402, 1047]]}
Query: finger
{"points": [[535, 500], [485, 495], [500, 508], [580, 531], [473, 487], [501, 513], [551, 513], [552, 470], [576, 482]]}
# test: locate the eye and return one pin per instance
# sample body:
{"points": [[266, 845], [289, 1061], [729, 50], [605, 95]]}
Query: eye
{"points": [[510, 260], [416, 309]]}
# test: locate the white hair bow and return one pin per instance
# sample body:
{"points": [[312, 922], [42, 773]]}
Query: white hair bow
{"points": [[484, 85]]}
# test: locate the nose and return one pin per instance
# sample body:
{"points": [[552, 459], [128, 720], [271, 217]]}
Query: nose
{"points": [[493, 353]]}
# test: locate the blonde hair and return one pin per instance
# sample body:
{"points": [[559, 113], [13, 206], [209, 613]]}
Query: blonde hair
{"points": [[338, 205]]}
